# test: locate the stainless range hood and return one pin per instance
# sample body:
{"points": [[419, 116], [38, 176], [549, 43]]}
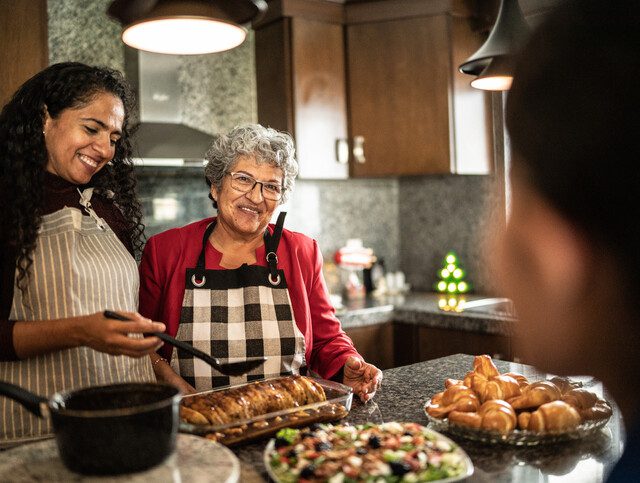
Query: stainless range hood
{"points": [[161, 139]]}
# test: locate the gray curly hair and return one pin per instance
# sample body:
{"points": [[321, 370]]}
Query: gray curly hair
{"points": [[266, 144]]}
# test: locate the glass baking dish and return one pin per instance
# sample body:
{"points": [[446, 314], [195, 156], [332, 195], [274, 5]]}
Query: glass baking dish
{"points": [[337, 406]]}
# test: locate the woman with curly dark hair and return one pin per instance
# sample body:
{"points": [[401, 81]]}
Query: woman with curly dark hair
{"points": [[69, 227]]}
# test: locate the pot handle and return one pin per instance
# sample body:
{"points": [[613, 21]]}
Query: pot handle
{"points": [[38, 405]]}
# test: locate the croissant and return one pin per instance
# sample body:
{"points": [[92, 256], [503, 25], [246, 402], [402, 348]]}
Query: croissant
{"points": [[535, 394], [522, 380], [588, 405], [455, 398], [475, 381], [500, 387], [523, 419], [452, 382], [484, 365], [554, 416], [564, 384], [494, 415]]}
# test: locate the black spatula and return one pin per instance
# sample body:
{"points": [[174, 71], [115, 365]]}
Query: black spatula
{"points": [[229, 369]]}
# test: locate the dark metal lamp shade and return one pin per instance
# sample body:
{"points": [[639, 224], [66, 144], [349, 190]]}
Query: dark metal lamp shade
{"points": [[507, 36], [185, 26]]}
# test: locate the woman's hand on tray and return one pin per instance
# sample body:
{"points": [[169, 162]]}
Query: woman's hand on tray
{"points": [[364, 378]]}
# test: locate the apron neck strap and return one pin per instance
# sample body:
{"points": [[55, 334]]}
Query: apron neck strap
{"points": [[271, 242]]}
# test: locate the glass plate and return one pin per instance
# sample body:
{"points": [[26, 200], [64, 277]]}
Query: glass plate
{"points": [[468, 465], [336, 406], [517, 437]]}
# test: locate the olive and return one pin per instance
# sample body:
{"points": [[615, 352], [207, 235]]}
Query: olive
{"points": [[308, 471], [361, 450], [316, 427], [399, 468], [281, 442], [322, 445], [292, 454], [374, 442], [306, 434]]}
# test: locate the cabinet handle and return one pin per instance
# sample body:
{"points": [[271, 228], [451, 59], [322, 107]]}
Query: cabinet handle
{"points": [[358, 149], [342, 151]]}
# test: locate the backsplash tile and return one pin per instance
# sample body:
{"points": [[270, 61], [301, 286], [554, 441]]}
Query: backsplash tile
{"points": [[438, 214]]}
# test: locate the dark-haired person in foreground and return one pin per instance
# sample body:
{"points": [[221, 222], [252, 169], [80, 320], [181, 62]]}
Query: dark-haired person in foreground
{"points": [[570, 256], [69, 225]]}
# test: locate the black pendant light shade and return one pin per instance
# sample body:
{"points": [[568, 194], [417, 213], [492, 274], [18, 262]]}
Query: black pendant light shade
{"points": [[507, 36], [185, 26]]}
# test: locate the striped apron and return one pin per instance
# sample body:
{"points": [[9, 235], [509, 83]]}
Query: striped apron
{"points": [[79, 267], [238, 314]]}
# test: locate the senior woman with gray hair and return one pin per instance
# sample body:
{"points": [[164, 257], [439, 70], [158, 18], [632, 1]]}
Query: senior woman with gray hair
{"points": [[236, 286]]}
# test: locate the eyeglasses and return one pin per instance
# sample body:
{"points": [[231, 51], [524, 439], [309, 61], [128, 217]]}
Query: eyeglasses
{"points": [[245, 183]]}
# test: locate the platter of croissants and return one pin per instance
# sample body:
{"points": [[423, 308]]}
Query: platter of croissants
{"points": [[492, 407]]}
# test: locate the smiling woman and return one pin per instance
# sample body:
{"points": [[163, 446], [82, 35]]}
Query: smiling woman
{"points": [[238, 287], [69, 225]]}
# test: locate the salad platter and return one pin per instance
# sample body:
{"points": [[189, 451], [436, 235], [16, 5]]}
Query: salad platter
{"points": [[389, 452]]}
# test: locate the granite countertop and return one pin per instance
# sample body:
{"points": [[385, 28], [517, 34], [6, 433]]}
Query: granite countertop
{"points": [[404, 392], [421, 308]]}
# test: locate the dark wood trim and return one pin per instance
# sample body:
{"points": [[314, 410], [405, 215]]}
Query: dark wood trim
{"points": [[396, 9], [274, 75], [323, 10]]}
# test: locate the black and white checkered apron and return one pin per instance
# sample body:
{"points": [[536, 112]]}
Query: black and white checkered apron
{"points": [[238, 314]]}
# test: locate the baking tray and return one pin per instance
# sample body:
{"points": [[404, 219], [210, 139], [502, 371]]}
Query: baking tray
{"points": [[337, 406]]}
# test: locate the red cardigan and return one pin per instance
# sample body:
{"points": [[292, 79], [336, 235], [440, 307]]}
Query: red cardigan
{"points": [[162, 281]]}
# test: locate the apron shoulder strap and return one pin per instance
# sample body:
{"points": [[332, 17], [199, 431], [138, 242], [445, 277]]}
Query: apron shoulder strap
{"points": [[205, 239], [271, 242]]}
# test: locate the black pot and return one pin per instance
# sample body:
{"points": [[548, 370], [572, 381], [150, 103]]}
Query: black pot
{"points": [[108, 430]]}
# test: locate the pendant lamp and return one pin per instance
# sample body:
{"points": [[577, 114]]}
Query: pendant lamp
{"points": [[491, 62], [185, 27]]}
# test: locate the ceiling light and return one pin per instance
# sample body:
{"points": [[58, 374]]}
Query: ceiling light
{"points": [[497, 76], [185, 27], [505, 39]]}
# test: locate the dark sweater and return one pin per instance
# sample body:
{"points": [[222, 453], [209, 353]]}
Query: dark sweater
{"points": [[58, 193]]}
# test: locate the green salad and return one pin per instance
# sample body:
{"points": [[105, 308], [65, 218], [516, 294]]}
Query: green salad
{"points": [[390, 452]]}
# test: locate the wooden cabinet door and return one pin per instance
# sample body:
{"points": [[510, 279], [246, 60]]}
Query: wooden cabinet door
{"points": [[23, 37], [434, 343], [399, 95], [300, 72], [374, 343]]}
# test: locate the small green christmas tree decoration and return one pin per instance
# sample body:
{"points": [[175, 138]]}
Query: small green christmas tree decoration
{"points": [[451, 276]]}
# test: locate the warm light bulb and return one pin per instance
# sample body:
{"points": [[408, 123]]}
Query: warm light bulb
{"points": [[442, 303], [457, 273], [451, 259], [451, 267], [496, 83], [462, 286], [184, 36], [452, 287], [452, 302], [442, 285], [444, 273]]}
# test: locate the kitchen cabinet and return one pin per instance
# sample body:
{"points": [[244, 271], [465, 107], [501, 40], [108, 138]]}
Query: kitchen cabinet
{"points": [[416, 343], [374, 343], [23, 37], [301, 88], [410, 111], [434, 343]]}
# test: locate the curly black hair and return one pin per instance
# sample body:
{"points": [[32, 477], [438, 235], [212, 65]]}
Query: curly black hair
{"points": [[23, 154]]}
